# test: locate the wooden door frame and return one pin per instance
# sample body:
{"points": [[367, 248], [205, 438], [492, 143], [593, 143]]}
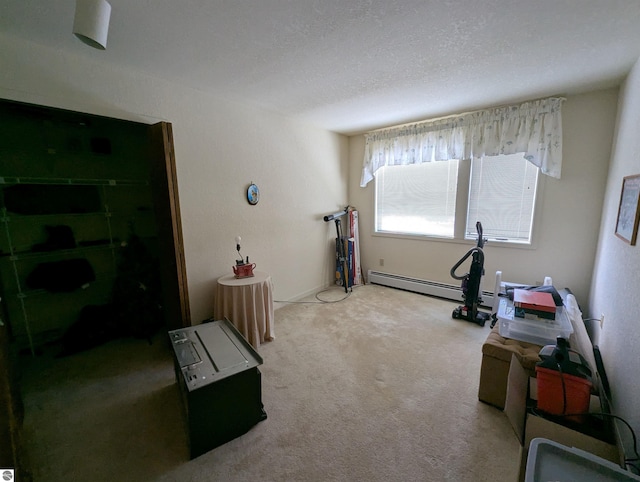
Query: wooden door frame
{"points": [[173, 277], [167, 206]]}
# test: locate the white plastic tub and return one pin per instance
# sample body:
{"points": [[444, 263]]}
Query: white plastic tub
{"points": [[550, 461], [540, 332]]}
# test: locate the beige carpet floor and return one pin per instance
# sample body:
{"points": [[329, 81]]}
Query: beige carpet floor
{"points": [[379, 387]]}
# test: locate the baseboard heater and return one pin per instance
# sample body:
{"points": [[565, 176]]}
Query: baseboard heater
{"points": [[425, 287]]}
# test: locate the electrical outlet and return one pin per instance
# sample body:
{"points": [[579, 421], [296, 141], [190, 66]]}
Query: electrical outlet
{"points": [[601, 321], [381, 261]]}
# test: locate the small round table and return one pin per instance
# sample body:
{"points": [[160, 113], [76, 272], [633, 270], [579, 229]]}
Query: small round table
{"points": [[248, 304]]}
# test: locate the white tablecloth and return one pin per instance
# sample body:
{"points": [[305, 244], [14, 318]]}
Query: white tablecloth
{"points": [[248, 304]]}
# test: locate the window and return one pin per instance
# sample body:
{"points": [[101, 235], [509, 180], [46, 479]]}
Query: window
{"points": [[502, 194], [417, 198], [420, 199]]}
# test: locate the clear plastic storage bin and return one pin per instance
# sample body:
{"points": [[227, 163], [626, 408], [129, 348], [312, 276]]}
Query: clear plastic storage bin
{"points": [[541, 332], [549, 460]]}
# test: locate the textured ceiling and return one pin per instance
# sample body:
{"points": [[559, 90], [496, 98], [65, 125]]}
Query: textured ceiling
{"points": [[355, 65]]}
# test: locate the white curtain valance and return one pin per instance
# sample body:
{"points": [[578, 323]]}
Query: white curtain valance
{"points": [[534, 128]]}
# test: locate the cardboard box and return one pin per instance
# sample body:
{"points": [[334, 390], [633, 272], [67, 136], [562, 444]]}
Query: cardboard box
{"points": [[596, 438]]}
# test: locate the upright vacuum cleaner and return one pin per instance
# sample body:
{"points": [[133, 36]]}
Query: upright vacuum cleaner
{"points": [[471, 283]]}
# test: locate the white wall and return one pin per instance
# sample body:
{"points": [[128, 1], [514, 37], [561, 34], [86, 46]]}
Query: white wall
{"points": [[567, 221], [616, 277], [220, 146]]}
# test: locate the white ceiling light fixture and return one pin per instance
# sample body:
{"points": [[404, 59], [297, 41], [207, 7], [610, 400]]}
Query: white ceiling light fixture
{"points": [[91, 23]]}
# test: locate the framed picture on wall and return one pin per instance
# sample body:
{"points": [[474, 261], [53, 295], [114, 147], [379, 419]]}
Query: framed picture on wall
{"points": [[629, 209]]}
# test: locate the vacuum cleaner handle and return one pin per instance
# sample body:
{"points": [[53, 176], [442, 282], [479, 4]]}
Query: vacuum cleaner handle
{"points": [[481, 240], [462, 260]]}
